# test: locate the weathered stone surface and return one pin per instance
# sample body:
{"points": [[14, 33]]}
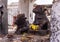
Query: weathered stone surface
{"points": [[25, 38]]}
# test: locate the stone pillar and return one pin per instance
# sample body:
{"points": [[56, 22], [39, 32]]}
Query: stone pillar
{"points": [[31, 15], [24, 7], [4, 17]]}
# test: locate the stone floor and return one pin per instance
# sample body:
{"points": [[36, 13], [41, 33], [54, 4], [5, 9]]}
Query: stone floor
{"points": [[25, 38]]}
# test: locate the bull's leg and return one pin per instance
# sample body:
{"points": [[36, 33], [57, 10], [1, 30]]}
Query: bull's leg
{"points": [[17, 31]]}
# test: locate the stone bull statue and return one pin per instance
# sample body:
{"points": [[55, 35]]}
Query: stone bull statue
{"points": [[22, 24], [41, 18]]}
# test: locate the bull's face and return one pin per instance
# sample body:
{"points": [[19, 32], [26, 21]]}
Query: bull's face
{"points": [[37, 9]]}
